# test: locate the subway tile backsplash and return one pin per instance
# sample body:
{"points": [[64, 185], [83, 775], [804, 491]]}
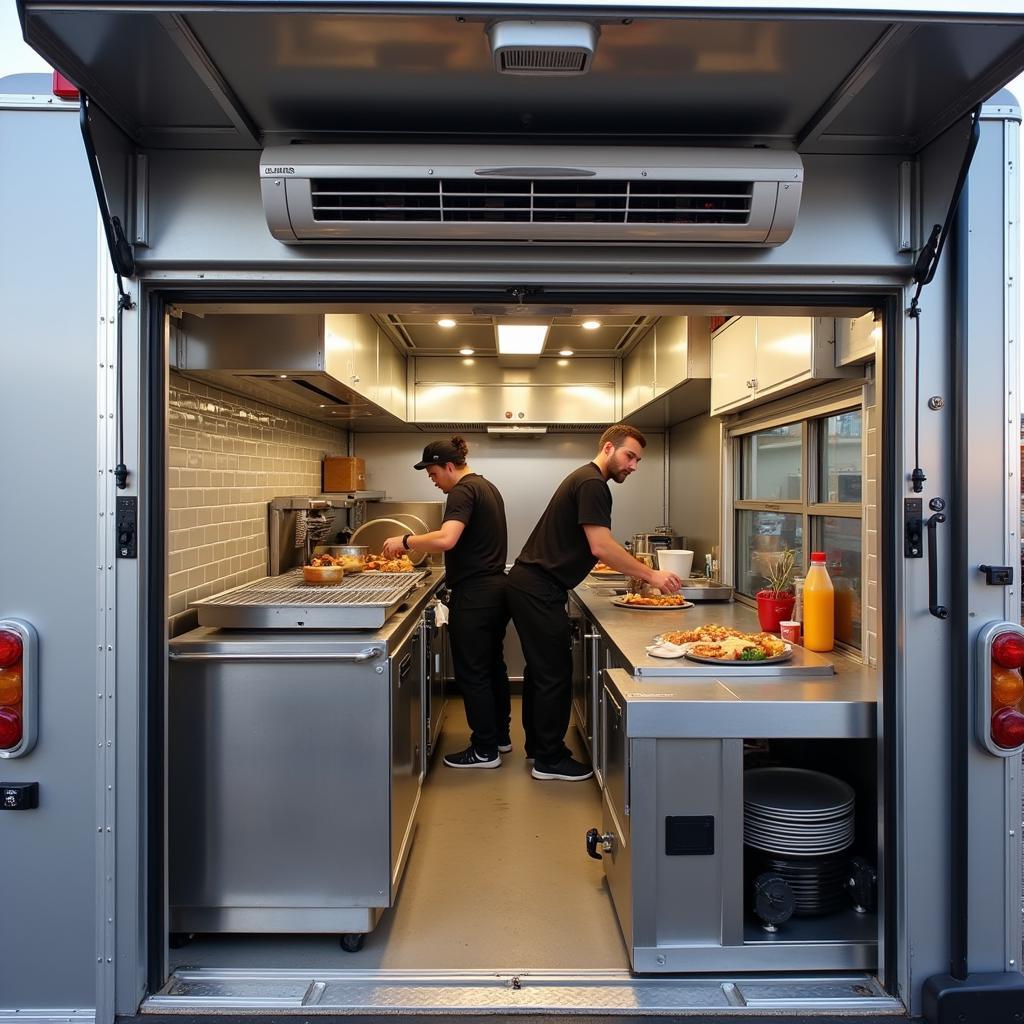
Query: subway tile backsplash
{"points": [[228, 456]]}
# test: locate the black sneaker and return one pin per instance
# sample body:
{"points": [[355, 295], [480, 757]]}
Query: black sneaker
{"points": [[505, 745], [471, 758], [568, 770]]}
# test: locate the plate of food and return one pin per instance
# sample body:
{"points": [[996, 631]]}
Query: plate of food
{"points": [[606, 572], [719, 645], [754, 648], [661, 603]]}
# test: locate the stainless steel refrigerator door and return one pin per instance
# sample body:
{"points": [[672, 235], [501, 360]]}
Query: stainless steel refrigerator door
{"points": [[277, 792], [406, 749]]}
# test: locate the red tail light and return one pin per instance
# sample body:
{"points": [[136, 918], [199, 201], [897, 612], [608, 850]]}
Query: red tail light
{"points": [[10, 648], [1000, 688], [17, 687], [11, 730]]}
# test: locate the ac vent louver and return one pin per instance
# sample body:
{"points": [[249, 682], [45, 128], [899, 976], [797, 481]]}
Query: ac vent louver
{"points": [[520, 60], [530, 201], [552, 48], [550, 194]]}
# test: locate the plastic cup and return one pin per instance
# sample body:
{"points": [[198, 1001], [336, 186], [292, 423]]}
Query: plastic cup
{"points": [[676, 560], [789, 630]]}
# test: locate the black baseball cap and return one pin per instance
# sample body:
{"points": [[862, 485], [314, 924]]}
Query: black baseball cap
{"points": [[439, 453]]}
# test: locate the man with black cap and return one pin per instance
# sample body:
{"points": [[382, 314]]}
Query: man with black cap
{"points": [[474, 539], [571, 536]]}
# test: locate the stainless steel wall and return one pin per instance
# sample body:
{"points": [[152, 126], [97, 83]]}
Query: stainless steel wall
{"points": [[206, 210], [695, 485], [525, 470], [48, 422]]}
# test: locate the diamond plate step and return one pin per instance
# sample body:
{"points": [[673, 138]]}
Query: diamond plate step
{"points": [[528, 992]]}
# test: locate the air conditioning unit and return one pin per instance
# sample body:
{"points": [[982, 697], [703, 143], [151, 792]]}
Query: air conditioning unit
{"points": [[436, 193]]}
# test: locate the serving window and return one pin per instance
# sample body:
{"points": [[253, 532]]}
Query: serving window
{"points": [[798, 486]]}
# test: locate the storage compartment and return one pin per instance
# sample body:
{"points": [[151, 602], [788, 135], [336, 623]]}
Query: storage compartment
{"points": [[343, 473]]}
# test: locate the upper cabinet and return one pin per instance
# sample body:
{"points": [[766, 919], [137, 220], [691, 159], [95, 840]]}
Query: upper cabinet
{"points": [[675, 350], [362, 357], [756, 358]]}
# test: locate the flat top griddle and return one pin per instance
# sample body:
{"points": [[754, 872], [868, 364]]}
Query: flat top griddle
{"points": [[360, 601]]}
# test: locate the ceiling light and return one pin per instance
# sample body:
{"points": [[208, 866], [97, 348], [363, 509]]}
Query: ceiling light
{"points": [[565, 352], [446, 321], [590, 325], [521, 339], [563, 362], [467, 351], [515, 428], [468, 362]]}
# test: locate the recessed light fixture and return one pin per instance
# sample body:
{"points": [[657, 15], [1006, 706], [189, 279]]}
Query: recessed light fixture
{"points": [[468, 362], [446, 321], [590, 325], [521, 339], [283, 376], [563, 362], [565, 352], [467, 351]]}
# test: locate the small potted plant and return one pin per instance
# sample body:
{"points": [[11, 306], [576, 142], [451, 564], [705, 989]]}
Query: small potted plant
{"points": [[775, 602]]}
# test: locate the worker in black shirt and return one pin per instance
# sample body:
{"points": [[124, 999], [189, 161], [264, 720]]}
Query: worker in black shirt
{"points": [[572, 535], [474, 539]]}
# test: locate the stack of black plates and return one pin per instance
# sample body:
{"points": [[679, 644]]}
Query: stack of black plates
{"points": [[797, 824], [819, 884]]}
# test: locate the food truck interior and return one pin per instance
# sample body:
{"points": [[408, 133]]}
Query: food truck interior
{"points": [[304, 808]]}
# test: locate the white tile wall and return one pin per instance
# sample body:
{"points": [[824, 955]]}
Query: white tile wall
{"points": [[228, 456]]}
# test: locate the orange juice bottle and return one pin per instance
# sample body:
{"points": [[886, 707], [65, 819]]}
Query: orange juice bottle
{"points": [[819, 606]]}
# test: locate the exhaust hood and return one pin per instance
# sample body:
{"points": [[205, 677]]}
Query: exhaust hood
{"points": [[289, 361]]}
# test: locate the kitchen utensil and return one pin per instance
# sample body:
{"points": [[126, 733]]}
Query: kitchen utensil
{"points": [[352, 555], [323, 574]]}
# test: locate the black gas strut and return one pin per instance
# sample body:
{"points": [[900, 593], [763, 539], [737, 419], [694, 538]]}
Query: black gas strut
{"points": [[123, 260], [924, 271]]}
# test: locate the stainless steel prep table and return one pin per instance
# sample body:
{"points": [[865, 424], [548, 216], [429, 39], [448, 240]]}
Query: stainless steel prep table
{"points": [[667, 740], [294, 769], [631, 630]]}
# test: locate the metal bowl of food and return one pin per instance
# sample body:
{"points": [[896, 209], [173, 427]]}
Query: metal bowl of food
{"points": [[321, 574], [349, 556]]}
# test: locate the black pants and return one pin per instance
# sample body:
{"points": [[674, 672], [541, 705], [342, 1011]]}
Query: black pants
{"points": [[477, 617], [537, 603]]}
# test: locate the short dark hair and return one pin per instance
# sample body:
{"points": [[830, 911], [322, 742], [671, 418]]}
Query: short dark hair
{"points": [[616, 436]]}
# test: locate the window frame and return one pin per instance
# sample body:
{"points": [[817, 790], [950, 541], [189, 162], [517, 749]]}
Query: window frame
{"points": [[812, 419]]}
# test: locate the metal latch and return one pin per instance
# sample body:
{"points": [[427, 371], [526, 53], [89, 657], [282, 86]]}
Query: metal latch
{"points": [[997, 575]]}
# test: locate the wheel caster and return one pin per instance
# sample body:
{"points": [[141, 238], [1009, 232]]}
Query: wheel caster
{"points": [[176, 940], [352, 942]]}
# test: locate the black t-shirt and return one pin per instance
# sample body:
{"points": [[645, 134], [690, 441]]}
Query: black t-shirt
{"points": [[483, 546], [558, 544]]}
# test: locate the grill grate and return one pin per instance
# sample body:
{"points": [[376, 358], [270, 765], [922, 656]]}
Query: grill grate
{"points": [[362, 589], [530, 201]]}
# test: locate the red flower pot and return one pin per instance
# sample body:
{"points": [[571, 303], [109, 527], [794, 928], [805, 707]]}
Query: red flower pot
{"points": [[773, 607]]}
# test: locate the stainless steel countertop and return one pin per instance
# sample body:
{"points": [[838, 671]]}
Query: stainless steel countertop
{"points": [[690, 700], [631, 630]]}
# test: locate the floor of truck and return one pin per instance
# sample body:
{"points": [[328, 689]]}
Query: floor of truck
{"points": [[500, 912], [498, 877]]}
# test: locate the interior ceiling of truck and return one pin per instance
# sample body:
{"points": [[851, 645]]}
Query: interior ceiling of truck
{"points": [[228, 75], [443, 330]]}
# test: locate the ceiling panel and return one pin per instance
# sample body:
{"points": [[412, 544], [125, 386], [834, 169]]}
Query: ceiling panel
{"points": [[233, 75]]}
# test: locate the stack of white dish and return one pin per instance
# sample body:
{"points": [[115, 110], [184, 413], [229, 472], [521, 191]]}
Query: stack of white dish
{"points": [[797, 813]]}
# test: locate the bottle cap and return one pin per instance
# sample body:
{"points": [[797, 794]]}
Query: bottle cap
{"points": [[817, 556]]}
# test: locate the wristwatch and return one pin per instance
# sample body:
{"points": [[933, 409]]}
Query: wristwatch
{"points": [[405, 541]]}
